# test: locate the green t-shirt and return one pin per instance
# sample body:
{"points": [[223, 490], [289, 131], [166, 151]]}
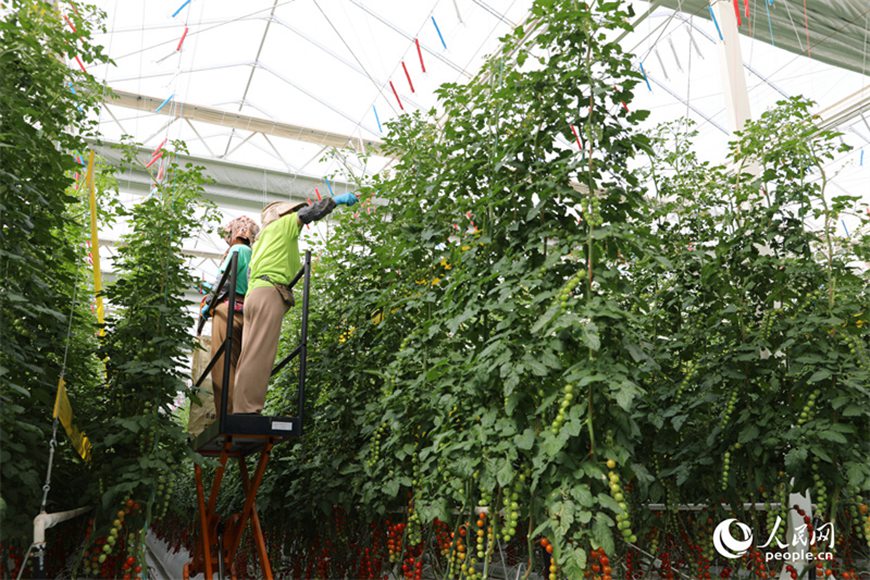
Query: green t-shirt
{"points": [[244, 253], [276, 252]]}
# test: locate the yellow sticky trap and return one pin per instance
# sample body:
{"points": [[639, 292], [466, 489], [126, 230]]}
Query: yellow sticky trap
{"points": [[95, 244], [63, 412]]}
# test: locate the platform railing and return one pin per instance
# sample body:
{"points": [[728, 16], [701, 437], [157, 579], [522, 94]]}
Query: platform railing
{"points": [[230, 277]]}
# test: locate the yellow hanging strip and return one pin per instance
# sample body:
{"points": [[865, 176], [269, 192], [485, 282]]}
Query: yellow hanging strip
{"points": [[63, 412], [95, 244]]}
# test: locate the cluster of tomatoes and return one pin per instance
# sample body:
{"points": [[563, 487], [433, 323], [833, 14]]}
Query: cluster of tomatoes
{"points": [[666, 571], [323, 560], [599, 567], [806, 518], [755, 561], [548, 548], [703, 566], [177, 534], [12, 555], [412, 566], [457, 558], [394, 540], [481, 535], [107, 552], [631, 573], [623, 520], [369, 566], [443, 536]]}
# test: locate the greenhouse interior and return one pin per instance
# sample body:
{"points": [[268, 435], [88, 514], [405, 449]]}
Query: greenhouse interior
{"points": [[450, 289]]}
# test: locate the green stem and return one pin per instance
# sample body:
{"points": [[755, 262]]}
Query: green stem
{"points": [[828, 241], [589, 240], [530, 546]]}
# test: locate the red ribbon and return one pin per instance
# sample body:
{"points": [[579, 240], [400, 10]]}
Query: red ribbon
{"points": [[68, 21], [737, 13], [576, 136], [420, 54], [396, 95], [154, 159], [408, 76], [318, 194], [181, 40], [81, 64], [158, 148]]}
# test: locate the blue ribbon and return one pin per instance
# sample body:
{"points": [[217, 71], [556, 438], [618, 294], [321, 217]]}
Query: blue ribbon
{"points": [[378, 119], [716, 22], [646, 80], [180, 8], [438, 30], [163, 104]]}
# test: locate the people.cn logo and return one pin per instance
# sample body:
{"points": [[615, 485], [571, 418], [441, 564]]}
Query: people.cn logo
{"points": [[726, 544]]}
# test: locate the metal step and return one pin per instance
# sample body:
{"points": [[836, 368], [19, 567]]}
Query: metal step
{"points": [[245, 434]]}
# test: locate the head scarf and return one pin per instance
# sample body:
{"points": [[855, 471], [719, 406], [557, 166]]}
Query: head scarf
{"points": [[242, 227], [278, 209]]}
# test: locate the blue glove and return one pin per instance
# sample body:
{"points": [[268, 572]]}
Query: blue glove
{"points": [[345, 199], [204, 311]]}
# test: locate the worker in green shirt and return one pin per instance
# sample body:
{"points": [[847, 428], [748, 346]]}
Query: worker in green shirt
{"points": [[240, 234], [274, 262]]}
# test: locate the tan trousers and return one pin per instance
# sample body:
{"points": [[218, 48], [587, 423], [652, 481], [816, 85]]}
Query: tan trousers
{"points": [[264, 311], [218, 335]]}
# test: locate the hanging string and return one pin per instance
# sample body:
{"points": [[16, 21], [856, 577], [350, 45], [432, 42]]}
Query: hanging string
{"points": [[807, 28], [769, 23]]}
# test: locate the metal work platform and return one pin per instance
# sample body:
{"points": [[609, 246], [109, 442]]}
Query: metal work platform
{"points": [[246, 434], [239, 436]]}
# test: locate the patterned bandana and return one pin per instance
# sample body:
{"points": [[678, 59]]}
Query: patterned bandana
{"points": [[241, 227]]}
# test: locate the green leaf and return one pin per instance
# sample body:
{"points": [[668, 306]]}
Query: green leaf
{"points": [[562, 513], [750, 433], [820, 375], [505, 473], [590, 336], [525, 440], [835, 436], [795, 458], [625, 393], [602, 536], [582, 495], [575, 562]]}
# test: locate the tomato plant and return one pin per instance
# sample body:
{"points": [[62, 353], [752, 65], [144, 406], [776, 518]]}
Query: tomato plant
{"points": [[45, 316]]}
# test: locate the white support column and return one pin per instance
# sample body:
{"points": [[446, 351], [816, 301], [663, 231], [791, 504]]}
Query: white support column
{"points": [[733, 77], [737, 105]]}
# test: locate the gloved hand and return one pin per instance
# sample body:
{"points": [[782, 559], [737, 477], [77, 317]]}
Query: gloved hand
{"points": [[205, 287], [345, 199], [204, 311]]}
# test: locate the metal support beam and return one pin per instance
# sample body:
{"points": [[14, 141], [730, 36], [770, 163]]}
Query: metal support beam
{"points": [[237, 121], [234, 185]]}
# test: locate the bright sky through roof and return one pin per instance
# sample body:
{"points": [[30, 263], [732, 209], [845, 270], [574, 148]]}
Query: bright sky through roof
{"points": [[328, 65]]}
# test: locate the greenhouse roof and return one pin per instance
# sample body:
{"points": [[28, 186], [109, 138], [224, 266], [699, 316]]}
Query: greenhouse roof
{"points": [[269, 86]]}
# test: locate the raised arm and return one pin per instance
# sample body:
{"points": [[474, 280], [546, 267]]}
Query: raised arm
{"points": [[323, 208]]}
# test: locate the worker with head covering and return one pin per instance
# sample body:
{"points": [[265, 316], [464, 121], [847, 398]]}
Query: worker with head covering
{"points": [[239, 234], [273, 265]]}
